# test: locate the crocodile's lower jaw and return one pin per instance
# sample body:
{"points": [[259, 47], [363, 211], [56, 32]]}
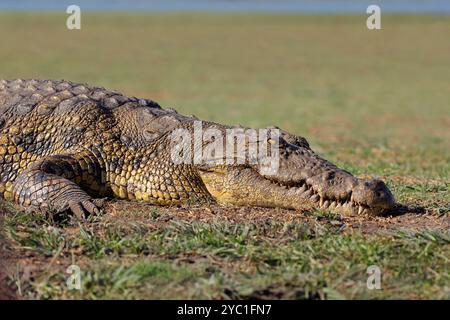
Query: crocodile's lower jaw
{"points": [[346, 205], [247, 188], [349, 208], [308, 197]]}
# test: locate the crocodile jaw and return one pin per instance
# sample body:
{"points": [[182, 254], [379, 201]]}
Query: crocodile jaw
{"points": [[246, 187], [367, 197]]}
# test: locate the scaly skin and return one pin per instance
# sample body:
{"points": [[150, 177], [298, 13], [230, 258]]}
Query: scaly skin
{"points": [[65, 145]]}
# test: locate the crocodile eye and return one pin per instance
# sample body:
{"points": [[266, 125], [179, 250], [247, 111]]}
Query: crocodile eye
{"points": [[144, 116]]}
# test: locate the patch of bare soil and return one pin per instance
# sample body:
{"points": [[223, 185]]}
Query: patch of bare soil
{"points": [[404, 218]]}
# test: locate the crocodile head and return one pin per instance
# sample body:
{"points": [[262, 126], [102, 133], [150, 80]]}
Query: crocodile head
{"points": [[303, 180]]}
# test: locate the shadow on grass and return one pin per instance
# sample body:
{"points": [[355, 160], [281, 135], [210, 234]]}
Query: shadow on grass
{"points": [[401, 209]]}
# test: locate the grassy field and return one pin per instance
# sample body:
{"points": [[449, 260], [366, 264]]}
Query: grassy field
{"points": [[374, 102]]}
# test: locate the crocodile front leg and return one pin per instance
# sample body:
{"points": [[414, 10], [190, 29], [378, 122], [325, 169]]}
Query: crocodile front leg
{"points": [[60, 182]]}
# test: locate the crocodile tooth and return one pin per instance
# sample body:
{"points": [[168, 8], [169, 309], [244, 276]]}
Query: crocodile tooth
{"points": [[321, 202], [326, 204], [333, 204], [308, 193], [360, 209], [315, 198]]}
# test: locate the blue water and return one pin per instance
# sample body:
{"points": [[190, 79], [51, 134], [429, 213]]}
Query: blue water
{"points": [[307, 6]]}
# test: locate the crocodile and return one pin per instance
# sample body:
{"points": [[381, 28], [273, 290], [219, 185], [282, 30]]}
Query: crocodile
{"points": [[65, 147]]}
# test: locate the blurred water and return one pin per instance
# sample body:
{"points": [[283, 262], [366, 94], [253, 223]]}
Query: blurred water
{"points": [[307, 6]]}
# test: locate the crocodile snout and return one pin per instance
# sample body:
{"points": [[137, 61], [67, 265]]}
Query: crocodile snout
{"points": [[373, 194]]}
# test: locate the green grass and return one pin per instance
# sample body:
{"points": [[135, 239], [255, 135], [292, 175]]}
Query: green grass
{"points": [[271, 259], [376, 103]]}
